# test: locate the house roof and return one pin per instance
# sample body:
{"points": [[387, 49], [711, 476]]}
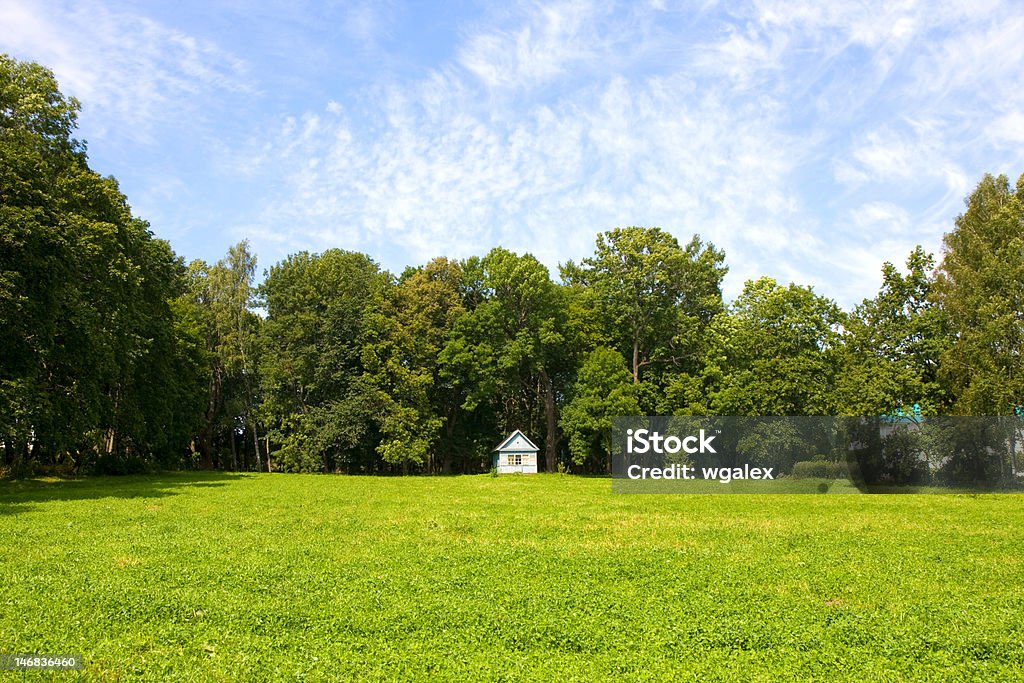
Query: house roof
{"points": [[510, 440]]}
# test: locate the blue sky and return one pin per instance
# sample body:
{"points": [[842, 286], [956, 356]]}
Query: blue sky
{"points": [[810, 141]]}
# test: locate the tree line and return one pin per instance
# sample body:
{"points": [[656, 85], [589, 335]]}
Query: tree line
{"points": [[118, 356]]}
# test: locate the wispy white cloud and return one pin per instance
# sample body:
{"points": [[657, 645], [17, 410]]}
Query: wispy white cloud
{"points": [[714, 140], [553, 39], [1008, 128], [131, 73], [880, 216], [811, 140], [460, 178], [888, 156]]}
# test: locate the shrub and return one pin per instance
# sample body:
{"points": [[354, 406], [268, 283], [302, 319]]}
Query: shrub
{"points": [[118, 464], [820, 469]]}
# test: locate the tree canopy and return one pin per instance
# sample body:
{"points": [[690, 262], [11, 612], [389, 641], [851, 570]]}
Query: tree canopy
{"points": [[117, 357]]}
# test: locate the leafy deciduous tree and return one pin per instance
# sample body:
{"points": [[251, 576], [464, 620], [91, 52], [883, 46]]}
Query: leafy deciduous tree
{"points": [[893, 345], [603, 390], [980, 286]]}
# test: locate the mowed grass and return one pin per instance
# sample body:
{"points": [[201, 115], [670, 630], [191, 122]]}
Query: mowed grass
{"points": [[305, 577]]}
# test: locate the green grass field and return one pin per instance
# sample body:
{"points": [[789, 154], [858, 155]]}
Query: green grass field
{"points": [[304, 577]]}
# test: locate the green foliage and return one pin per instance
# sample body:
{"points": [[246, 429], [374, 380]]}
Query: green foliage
{"points": [[652, 297], [113, 353], [221, 297], [34, 114], [93, 362], [905, 456], [980, 286], [318, 403], [173, 578], [893, 345], [508, 354], [603, 390], [763, 443], [963, 450], [776, 352], [406, 330]]}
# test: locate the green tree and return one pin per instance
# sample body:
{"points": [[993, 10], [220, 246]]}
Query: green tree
{"points": [[224, 294], [90, 367], [893, 344], [776, 352], [980, 286], [508, 354], [603, 390], [317, 397], [406, 331], [653, 298]]}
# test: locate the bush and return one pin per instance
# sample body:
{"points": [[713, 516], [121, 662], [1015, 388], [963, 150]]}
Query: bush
{"points": [[820, 469], [117, 464]]}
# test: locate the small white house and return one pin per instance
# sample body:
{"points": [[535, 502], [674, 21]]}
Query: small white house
{"points": [[515, 454]]}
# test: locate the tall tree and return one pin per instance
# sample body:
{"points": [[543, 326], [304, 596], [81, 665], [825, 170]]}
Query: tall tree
{"points": [[406, 331], [980, 286], [653, 296], [89, 358], [508, 353], [224, 292], [317, 395], [603, 390], [776, 353], [893, 344]]}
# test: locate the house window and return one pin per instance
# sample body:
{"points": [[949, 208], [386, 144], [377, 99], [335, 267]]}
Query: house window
{"points": [[515, 459]]}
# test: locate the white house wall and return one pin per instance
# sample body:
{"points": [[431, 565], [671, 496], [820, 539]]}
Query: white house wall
{"points": [[528, 466]]}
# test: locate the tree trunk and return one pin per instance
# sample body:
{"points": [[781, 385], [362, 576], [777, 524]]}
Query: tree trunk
{"points": [[234, 451], [206, 435], [206, 449], [270, 466], [551, 413], [256, 443], [447, 458], [111, 431], [636, 361], [608, 453]]}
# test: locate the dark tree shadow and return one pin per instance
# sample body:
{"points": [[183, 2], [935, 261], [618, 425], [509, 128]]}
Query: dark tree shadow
{"points": [[24, 495]]}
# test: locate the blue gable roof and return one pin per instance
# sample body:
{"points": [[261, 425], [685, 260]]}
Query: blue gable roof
{"points": [[516, 442]]}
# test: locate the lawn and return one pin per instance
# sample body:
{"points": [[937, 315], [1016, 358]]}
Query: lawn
{"points": [[305, 577]]}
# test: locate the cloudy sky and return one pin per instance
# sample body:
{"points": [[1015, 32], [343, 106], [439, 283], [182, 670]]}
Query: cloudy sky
{"points": [[811, 142]]}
